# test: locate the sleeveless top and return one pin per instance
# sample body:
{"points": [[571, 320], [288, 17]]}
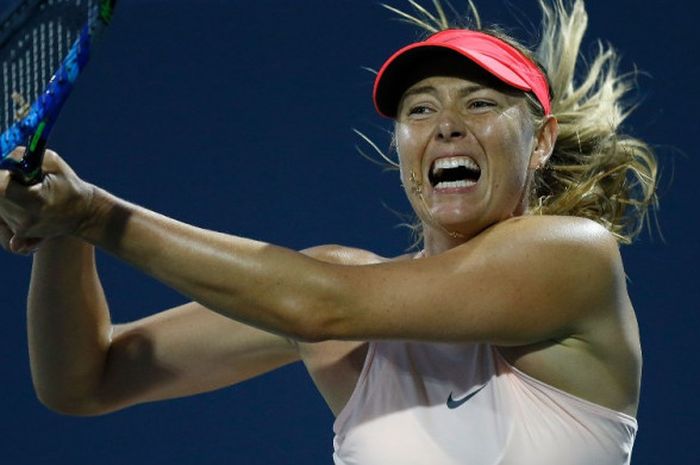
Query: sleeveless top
{"points": [[419, 403]]}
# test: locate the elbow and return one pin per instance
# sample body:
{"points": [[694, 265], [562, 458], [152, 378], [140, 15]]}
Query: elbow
{"points": [[76, 406], [70, 407]]}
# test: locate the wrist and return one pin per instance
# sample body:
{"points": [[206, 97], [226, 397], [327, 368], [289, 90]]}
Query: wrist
{"points": [[98, 204], [105, 220]]}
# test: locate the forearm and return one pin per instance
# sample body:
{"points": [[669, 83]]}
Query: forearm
{"points": [[269, 287], [68, 323]]}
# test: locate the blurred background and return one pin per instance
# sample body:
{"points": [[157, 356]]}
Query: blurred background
{"points": [[239, 116]]}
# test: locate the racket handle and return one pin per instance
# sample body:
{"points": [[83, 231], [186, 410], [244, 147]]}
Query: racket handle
{"points": [[28, 170]]}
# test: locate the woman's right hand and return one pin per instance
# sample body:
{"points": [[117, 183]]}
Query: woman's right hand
{"points": [[8, 240], [55, 207]]}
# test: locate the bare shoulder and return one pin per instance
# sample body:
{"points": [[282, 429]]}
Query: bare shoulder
{"points": [[564, 230], [562, 247], [571, 247]]}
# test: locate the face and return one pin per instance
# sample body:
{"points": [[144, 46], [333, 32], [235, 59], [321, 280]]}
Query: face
{"points": [[468, 148]]}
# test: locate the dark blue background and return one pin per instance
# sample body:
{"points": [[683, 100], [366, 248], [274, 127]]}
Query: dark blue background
{"points": [[238, 116]]}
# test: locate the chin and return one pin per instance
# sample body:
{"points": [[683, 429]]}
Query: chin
{"points": [[467, 222], [455, 216]]}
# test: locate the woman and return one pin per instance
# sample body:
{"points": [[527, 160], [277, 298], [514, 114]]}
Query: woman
{"points": [[509, 338]]}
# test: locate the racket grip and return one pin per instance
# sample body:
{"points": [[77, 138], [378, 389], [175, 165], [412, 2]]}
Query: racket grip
{"points": [[28, 170]]}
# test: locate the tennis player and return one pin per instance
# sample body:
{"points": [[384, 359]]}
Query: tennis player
{"points": [[508, 339]]}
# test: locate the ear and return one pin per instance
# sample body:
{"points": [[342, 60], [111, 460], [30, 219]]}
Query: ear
{"points": [[546, 138]]}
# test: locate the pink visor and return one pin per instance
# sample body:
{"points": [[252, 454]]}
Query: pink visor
{"points": [[490, 53]]}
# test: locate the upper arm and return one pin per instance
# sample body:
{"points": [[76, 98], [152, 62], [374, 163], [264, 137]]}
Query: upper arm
{"points": [[183, 351], [523, 281]]}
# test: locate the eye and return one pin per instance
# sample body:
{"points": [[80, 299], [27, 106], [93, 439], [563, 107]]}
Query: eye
{"points": [[419, 110], [480, 104]]}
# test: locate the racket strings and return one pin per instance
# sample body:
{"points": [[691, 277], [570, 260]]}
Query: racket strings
{"points": [[32, 49]]}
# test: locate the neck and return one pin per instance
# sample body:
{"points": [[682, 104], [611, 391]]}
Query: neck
{"points": [[437, 241]]}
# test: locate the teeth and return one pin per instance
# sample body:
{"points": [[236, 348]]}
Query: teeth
{"points": [[454, 184], [454, 172], [454, 162]]}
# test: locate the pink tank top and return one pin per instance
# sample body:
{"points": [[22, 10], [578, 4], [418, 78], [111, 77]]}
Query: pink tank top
{"points": [[449, 404]]}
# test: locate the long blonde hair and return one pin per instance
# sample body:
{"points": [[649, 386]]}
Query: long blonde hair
{"points": [[595, 171]]}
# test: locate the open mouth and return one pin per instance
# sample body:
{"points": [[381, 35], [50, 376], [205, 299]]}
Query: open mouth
{"points": [[454, 172]]}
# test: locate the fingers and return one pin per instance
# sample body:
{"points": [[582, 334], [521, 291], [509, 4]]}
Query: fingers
{"points": [[18, 193], [11, 243], [16, 200], [28, 197], [24, 246], [51, 158], [5, 179], [52, 162], [18, 153], [5, 236]]}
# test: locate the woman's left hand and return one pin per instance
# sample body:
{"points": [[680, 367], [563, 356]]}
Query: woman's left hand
{"points": [[56, 206]]}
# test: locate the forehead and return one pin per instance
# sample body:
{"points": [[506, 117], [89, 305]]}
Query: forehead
{"points": [[452, 84]]}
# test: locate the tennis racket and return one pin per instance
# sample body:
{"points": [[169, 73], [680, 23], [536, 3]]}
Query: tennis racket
{"points": [[44, 46]]}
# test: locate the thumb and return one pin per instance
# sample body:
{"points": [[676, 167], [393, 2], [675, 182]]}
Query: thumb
{"points": [[24, 245]]}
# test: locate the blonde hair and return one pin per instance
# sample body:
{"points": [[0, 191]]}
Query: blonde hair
{"points": [[595, 171]]}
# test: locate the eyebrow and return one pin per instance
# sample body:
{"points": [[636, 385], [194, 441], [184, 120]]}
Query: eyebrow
{"points": [[464, 91]]}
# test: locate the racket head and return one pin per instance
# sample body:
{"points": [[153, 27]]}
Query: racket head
{"points": [[44, 47]]}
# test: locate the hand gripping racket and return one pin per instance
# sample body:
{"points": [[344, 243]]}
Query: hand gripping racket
{"points": [[44, 46]]}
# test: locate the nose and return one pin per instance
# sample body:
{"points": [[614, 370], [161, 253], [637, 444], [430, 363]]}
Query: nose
{"points": [[450, 127]]}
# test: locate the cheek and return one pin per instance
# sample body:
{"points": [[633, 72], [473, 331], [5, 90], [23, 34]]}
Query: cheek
{"points": [[403, 138], [408, 147], [511, 138], [403, 152]]}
